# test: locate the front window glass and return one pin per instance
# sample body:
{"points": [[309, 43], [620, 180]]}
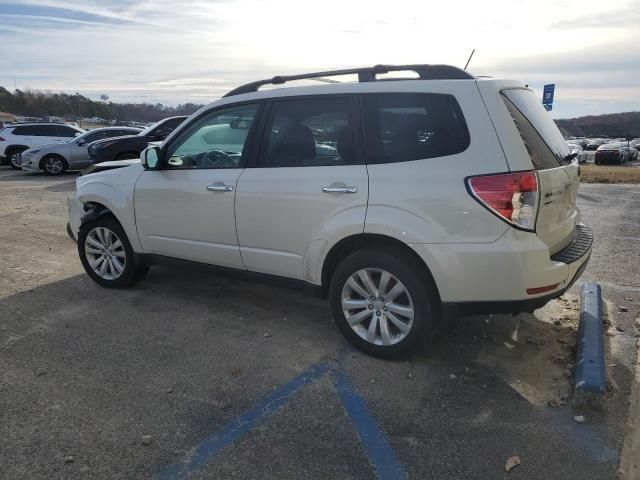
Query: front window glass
{"points": [[216, 141]]}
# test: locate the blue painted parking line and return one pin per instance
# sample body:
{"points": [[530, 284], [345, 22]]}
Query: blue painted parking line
{"points": [[373, 440], [246, 422]]}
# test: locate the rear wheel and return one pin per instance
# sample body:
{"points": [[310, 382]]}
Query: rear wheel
{"points": [[106, 254], [382, 302], [54, 165], [15, 159]]}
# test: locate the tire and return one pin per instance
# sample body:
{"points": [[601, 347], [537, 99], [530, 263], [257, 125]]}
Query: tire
{"points": [[13, 156], [54, 165], [121, 270], [418, 295]]}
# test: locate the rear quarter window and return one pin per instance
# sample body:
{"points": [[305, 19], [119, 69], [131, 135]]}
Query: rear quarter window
{"points": [[401, 127], [543, 141]]}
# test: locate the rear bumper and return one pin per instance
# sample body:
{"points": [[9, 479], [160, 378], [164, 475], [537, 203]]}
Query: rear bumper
{"points": [[608, 157], [495, 277], [518, 306]]}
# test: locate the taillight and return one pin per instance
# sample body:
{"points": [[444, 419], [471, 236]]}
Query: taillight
{"points": [[511, 196]]}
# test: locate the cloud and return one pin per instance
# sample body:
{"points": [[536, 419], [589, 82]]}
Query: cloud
{"points": [[173, 51]]}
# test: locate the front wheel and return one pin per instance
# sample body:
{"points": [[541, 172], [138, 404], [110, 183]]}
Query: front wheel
{"points": [[106, 254], [54, 165], [382, 302]]}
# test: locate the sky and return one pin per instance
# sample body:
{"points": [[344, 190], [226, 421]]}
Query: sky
{"points": [[173, 51]]}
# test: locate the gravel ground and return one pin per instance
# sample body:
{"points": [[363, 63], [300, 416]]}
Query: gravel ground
{"points": [[121, 384]]}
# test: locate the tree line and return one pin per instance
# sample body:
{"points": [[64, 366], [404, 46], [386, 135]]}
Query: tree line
{"points": [[626, 124], [35, 103]]}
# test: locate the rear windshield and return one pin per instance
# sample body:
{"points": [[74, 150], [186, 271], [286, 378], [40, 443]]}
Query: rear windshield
{"points": [[541, 137]]}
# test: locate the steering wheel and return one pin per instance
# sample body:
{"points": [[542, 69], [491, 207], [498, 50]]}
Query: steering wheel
{"points": [[217, 159]]}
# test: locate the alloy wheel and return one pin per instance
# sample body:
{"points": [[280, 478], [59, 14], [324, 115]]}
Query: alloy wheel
{"points": [[16, 160], [105, 253], [53, 165], [377, 306]]}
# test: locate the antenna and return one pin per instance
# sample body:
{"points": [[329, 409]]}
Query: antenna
{"points": [[470, 57]]}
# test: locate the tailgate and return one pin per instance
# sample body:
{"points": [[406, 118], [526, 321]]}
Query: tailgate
{"points": [[557, 211], [558, 178]]}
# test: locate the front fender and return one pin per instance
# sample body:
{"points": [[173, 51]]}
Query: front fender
{"points": [[113, 190]]}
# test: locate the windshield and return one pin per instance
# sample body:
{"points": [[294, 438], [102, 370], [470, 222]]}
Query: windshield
{"points": [[148, 129]]}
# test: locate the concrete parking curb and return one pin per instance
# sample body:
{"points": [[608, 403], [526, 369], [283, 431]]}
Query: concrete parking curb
{"points": [[590, 375]]}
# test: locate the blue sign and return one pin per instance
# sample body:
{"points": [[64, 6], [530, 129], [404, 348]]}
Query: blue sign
{"points": [[547, 94]]}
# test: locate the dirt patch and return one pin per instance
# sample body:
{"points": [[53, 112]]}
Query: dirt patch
{"points": [[534, 354], [609, 174]]}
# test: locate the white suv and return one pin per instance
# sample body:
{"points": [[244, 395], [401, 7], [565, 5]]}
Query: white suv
{"points": [[16, 138], [398, 198]]}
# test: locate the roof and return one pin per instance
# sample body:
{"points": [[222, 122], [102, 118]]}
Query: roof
{"points": [[366, 74]]}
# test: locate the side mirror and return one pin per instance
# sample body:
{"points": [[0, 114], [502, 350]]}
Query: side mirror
{"points": [[150, 157], [82, 141], [77, 134]]}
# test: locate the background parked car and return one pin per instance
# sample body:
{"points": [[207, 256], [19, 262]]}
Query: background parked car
{"points": [[593, 144], [128, 147], [17, 138], [613, 153], [56, 158], [581, 154], [633, 152]]}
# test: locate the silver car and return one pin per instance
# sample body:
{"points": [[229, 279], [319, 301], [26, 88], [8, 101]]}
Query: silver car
{"points": [[56, 158]]}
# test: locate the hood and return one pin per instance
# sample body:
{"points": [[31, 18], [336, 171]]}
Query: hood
{"points": [[48, 146], [110, 176], [104, 166]]}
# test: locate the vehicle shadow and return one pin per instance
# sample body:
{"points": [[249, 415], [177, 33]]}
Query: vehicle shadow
{"points": [[185, 350]]}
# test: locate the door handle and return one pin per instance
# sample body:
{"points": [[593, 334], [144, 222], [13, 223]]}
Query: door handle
{"points": [[220, 187], [340, 189]]}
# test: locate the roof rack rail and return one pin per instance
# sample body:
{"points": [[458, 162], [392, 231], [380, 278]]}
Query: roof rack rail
{"points": [[366, 74]]}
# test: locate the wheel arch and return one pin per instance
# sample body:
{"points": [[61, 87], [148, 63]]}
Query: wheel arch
{"points": [[362, 241], [8, 151], [94, 210]]}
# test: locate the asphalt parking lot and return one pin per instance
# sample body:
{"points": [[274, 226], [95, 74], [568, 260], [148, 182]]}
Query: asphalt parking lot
{"points": [[202, 375]]}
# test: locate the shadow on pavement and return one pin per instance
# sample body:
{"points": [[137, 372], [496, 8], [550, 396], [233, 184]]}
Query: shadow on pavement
{"points": [[88, 371]]}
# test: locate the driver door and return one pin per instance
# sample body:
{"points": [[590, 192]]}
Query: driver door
{"points": [[185, 209]]}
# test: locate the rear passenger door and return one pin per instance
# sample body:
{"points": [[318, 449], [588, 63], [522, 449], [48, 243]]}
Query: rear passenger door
{"points": [[305, 187]]}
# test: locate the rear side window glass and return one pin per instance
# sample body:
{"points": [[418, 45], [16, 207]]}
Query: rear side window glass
{"points": [[309, 133], [542, 139], [400, 127], [45, 131], [24, 131]]}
